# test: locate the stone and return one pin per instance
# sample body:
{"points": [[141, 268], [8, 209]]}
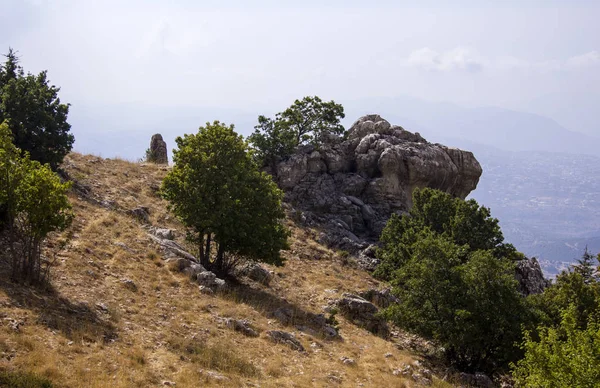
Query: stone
{"points": [[242, 326], [362, 313], [193, 270], [284, 337], [129, 284], [381, 298], [211, 281], [256, 272], [530, 277], [367, 259], [158, 150], [479, 380], [348, 361], [172, 248], [142, 213], [351, 187], [163, 233]]}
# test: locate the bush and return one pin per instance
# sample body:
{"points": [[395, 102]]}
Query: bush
{"points": [[34, 113], [564, 356], [36, 204], [232, 209], [455, 287]]}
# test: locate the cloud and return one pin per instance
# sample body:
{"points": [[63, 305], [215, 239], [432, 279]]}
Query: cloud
{"points": [[466, 60], [458, 59], [585, 60]]}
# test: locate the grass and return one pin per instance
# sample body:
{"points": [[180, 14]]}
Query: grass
{"points": [[167, 330], [16, 379]]}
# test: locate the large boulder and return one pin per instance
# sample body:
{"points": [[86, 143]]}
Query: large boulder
{"points": [[354, 185]]}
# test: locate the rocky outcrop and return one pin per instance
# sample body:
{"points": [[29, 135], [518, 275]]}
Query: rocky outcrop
{"points": [[353, 186], [530, 277], [363, 313], [158, 150]]}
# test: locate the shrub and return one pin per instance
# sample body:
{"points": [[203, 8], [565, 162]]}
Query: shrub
{"points": [[233, 210], [36, 204]]}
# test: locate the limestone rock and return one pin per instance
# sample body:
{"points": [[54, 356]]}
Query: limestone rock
{"points": [[284, 337], [210, 280], [351, 187], [158, 150], [530, 277], [363, 313], [256, 272], [142, 213], [242, 326], [381, 298]]}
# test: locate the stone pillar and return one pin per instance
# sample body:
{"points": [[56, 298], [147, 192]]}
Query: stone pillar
{"points": [[158, 150]]}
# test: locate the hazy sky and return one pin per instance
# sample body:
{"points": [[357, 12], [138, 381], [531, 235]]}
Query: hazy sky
{"points": [[536, 56]]}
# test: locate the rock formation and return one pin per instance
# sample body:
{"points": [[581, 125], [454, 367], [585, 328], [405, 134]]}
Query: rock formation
{"points": [[158, 150], [530, 277], [354, 185]]}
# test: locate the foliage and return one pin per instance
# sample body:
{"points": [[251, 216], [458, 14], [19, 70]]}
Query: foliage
{"points": [[564, 356], [35, 115], [565, 348], [573, 288], [309, 120], [36, 204], [585, 267], [465, 223], [228, 204], [454, 278]]}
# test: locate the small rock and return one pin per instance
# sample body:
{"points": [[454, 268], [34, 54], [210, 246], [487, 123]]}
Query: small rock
{"points": [[129, 284], [102, 307], [242, 326], [168, 383], [283, 337], [347, 361], [142, 213]]}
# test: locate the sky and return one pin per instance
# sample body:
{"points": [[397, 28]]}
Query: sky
{"points": [[534, 56]]}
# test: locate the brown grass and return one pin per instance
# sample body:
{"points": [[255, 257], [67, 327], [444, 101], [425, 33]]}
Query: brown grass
{"points": [[90, 330]]}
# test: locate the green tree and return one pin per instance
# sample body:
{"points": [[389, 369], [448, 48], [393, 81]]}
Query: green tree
{"points": [[563, 356], [232, 209], [573, 288], [36, 204], [454, 277], [465, 223], [471, 306], [34, 113], [310, 120], [585, 267]]}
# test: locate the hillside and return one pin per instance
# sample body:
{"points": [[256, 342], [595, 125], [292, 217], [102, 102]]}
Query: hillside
{"points": [[120, 315]]}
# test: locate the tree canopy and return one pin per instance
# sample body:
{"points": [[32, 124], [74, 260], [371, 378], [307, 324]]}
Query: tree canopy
{"points": [[310, 120], [564, 350], [454, 278], [232, 209], [34, 113]]}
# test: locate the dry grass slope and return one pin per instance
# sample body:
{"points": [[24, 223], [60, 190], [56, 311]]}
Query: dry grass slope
{"points": [[94, 330]]}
